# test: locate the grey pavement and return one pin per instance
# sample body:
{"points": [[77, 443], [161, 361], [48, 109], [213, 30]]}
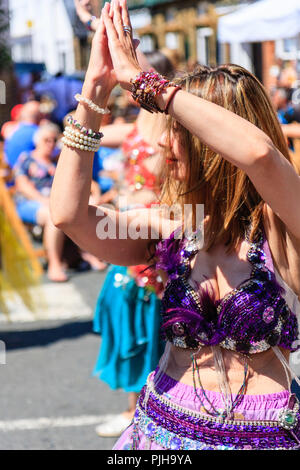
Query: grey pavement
{"points": [[48, 374]]}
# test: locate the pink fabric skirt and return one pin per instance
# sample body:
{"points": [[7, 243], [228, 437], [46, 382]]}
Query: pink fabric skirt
{"points": [[253, 408]]}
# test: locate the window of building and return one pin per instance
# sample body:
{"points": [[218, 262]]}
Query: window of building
{"points": [[290, 45], [140, 18], [62, 56], [147, 43], [288, 49], [202, 8], [203, 45], [223, 53], [22, 50], [62, 60], [243, 54], [172, 40], [171, 14]]}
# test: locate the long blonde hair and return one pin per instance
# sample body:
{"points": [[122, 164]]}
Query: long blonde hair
{"points": [[228, 195]]}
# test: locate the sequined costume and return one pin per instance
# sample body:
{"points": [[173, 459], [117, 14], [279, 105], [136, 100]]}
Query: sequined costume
{"points": [[259, 314], [127, 313], [136, 151], [251, 318]]}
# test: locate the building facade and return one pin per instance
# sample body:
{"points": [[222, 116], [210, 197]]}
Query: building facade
{"points": [[49, 31], [43, 31], [190, 27]]}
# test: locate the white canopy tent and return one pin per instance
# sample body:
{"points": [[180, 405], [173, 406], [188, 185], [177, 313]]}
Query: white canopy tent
{"points": [[265, 20]]}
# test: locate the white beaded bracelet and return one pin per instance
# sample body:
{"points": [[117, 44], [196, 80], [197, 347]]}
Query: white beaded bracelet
{"points": [[70, 143], [69, 132], [91, 105], [79, 146], [81, 142]]}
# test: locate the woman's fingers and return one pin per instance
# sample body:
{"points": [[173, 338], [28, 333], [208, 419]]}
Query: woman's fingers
{"points": [[101, 27], [117, 19], [111, 8], [100, 31], [109, 25], [125, 14], [132, 43]]}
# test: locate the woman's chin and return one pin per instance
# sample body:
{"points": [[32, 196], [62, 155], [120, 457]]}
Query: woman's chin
{"points": [[176, 175]]}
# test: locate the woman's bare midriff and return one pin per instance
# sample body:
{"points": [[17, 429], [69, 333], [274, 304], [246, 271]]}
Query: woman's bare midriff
{"points": [[266, 373]]}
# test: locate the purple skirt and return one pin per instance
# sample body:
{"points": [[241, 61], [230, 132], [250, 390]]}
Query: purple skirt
{"points": [[173, 419]]}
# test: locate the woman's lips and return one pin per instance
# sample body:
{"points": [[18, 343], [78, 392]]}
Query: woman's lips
{"points": [[170, 161]]}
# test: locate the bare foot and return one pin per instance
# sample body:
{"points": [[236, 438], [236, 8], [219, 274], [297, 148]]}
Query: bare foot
{"points": [[95, 263], [57, 274], [98, 265]]}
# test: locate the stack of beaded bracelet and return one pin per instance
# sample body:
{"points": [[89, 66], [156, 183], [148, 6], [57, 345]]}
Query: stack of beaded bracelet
{"points": [[80, 137], [146, 86], [83, 130]]}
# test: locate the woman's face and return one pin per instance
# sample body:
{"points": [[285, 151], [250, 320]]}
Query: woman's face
{"points": [[47, 143], [174, 154]]}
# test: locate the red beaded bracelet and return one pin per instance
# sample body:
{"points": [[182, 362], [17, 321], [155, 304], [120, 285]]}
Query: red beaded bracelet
{"points": [[146, 87]]}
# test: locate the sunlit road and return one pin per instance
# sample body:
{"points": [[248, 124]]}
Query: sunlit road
{"points": [[49, 398]]}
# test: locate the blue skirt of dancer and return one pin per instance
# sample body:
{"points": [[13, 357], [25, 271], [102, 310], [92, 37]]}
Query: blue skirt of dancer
{"points": [[128, 318]]}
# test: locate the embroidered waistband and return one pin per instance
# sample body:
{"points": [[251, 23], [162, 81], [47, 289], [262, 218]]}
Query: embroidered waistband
{"points": [[174, 427]]}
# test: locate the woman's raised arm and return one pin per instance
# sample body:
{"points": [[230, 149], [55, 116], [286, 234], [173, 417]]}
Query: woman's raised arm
{"points": [[70, 209], [229, 135]]}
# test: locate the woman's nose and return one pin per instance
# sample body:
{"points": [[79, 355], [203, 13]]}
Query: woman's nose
{"points": [[163, 140]]}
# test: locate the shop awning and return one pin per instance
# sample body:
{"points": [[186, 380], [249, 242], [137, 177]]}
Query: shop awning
{"points": [[265, 20]]}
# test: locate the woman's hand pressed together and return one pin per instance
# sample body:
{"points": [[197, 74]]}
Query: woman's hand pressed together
{"points": [[122, 47]]}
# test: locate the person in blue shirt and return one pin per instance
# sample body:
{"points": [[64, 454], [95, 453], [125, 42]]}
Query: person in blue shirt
{"points": [[22, 139], [105, 183]]}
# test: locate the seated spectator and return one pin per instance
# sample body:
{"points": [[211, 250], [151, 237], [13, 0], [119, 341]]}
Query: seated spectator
{"points": [[287, 114], [34, 174], [22, 139], [282, 100]]}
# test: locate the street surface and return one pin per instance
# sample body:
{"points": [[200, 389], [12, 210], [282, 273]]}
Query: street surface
{"points": [[49, 398]]}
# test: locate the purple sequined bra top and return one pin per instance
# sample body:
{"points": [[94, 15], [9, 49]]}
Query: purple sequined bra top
{"points": [[252, 318]]}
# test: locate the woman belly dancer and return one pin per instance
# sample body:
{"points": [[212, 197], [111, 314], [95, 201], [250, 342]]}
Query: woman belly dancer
{"points": [[232, 280]]}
